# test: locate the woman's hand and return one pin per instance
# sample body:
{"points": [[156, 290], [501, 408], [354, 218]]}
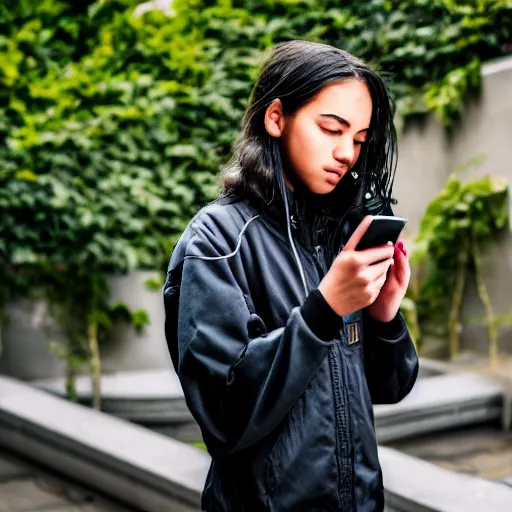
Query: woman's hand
{"points": [[387, 304], [356, 278]]}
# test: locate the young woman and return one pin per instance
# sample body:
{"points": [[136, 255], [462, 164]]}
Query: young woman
{"points": [[282, 334]]}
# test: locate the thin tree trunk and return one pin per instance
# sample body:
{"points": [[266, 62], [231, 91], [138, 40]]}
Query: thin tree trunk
{"points": [[416, 279], [456, 300], [411, 314], [92, 337], [70, 377], [486, 301], [414, 327]]}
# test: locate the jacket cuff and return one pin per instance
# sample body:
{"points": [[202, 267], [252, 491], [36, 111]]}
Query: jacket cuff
{"points": [[320, 317], [390, 331]]}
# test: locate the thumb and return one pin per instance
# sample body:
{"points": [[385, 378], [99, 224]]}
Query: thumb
{"points": [[358, 233]]}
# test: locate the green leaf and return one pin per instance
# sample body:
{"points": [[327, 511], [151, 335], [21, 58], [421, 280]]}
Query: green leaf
{"points": [[183, 151], [26, 175], [154, 283], [140, 319]]}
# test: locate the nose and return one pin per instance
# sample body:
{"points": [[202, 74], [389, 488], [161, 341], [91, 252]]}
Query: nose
{"points": [[344, 151]]}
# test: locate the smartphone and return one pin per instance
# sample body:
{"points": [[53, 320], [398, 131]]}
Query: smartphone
{"points": [[382, 230]]}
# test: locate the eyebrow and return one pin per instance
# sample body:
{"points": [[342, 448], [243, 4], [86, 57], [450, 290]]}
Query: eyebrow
{"points": [[342, 121]]}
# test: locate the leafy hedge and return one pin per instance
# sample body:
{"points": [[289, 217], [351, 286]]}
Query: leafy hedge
{"points": [[94, 166], [112, 128]]}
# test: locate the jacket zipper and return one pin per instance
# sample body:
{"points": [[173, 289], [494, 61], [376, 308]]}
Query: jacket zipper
{"points": [[343, 432], [338, 377], [343, 453], [346, 491]]}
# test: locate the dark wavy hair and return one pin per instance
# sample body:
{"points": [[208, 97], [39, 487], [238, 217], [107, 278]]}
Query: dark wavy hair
{"points": [[294, 73]]}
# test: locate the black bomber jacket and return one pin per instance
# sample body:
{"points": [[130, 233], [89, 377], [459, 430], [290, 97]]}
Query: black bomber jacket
{"points": [[280, 385]]}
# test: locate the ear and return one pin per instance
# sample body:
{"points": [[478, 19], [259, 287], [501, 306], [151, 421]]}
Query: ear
{"points": [[274, 119]]}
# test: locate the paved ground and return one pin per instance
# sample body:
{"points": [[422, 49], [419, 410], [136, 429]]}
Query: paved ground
{"points": [[484, 451], [23, 489]]}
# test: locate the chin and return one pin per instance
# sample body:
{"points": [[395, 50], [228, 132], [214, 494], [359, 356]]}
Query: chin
{"points": [[321, 188]]}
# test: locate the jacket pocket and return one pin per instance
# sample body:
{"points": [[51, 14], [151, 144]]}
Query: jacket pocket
{"points": [[286, 448], [300, 470]]}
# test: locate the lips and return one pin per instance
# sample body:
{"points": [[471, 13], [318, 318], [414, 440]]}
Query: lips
{"points": [[338, 172]]}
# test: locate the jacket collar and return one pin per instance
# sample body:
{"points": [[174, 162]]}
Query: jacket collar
{"points": [[306, 216]]}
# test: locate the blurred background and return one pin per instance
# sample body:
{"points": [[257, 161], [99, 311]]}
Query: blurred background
{"points": [[115, 116]]}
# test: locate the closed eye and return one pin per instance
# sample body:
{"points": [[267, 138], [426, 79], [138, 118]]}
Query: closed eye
{"points": [[332, 132], [339, 132]]}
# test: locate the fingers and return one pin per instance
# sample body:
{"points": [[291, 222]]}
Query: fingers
{"points": [[372, 256], [380, 283], [375, 272], [400, 247], [401, 268], [357, 260], [374, 279], [358, 234]]}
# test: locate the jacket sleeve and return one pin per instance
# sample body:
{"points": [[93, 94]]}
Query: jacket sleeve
{"points": [[391, 360], [237, 387]]}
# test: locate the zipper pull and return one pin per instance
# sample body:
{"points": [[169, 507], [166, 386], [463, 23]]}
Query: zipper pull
{"points": [[320, 257]]}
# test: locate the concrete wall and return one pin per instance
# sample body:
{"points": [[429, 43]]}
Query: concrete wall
{"points": [[427, 155], [26, 353]]}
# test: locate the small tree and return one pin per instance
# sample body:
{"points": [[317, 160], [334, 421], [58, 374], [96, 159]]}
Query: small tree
{"points": [[458, 225]]}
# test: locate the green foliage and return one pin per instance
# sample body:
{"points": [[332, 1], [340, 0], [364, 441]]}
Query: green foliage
{"points": [[447, 95], [155, 283], [78, 297], [465, 218], [112, 128], [409, 310], [119, 312], [200, 445]]}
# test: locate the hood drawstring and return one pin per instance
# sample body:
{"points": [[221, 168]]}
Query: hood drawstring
{"points": [[282, 187]]}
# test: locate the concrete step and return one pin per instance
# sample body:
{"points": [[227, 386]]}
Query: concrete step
{"points": [[156, 473], [128, 462], [441, 402], [413, 485], [154, 398]]}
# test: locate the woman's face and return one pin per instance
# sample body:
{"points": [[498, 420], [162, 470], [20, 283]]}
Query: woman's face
{"points": [[323, 139]]}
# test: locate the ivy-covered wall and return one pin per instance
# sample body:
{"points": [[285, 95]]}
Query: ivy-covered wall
{"points": [[476, 148], [112, 128]]}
